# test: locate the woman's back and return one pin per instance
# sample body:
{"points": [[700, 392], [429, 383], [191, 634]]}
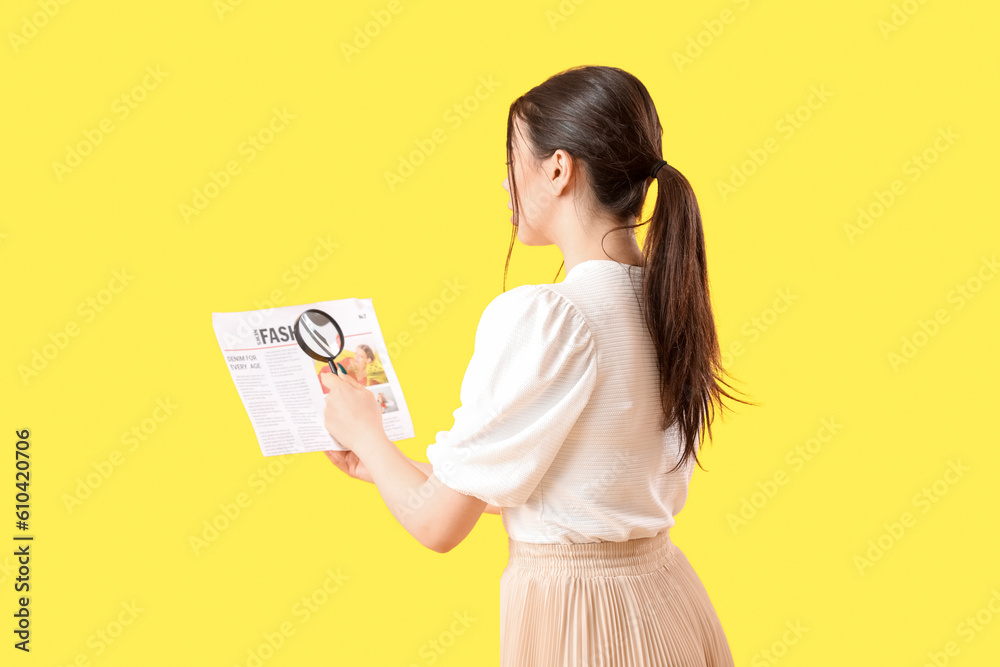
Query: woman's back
{"points": [[608, 481], [560, 418]]}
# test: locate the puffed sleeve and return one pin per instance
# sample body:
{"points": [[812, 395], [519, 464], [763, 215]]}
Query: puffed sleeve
{"points": [[532, 372]]}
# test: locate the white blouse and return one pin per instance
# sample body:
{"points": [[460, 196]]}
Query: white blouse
{"points": [[559, 417]]}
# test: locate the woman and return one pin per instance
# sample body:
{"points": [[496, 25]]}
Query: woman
{"points": [[586, 451], [357, 365]]}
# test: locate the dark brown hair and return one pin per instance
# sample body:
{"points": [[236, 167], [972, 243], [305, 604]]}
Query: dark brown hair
{"points": [[606, 120]]}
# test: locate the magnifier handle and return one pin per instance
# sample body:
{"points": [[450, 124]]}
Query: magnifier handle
{"points": [[333, 367]]}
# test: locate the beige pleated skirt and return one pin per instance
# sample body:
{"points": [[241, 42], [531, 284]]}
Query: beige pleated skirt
{"points": [[607, 604]]}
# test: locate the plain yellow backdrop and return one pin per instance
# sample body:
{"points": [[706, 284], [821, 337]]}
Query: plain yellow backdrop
{"points": [[871, 341]]}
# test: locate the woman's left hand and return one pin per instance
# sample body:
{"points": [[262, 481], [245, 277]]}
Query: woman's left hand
{"points": [[352, 414]]}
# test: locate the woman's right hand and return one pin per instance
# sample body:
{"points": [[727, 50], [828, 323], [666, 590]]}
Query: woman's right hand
{"points": [[349, 462]]}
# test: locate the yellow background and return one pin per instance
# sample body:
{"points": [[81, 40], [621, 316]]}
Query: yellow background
{"points": [[323, 176]]}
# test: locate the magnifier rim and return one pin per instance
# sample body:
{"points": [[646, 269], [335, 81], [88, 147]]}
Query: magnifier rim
{"points": [[305, 348]]}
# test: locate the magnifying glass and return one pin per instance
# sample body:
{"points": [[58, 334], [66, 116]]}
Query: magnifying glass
{"points": [[320, 337]]}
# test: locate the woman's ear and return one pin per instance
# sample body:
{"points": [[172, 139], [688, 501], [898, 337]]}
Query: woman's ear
{"points": [[562, 167]]}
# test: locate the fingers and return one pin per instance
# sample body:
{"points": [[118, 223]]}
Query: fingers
{"points": [[330, 380], [340, 460], [351, 381], [346, 462]]}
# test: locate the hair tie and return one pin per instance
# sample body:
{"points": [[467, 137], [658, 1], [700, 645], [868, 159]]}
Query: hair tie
{"points": [[656, 168]]}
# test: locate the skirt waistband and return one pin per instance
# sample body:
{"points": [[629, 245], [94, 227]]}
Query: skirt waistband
{"points": [[636, 556]]}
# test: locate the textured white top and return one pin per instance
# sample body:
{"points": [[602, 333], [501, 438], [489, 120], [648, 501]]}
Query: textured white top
{"points": [[560, 409]]}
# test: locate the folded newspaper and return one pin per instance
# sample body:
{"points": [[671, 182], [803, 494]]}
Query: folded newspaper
{"points": [[281, 386]]}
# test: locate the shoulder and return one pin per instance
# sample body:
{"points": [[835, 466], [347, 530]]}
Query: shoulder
{"points": [[535, 303], [535, 316]]}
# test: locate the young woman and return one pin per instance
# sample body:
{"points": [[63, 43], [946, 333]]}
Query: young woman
{"points": [[584, 404], [357, 365]]}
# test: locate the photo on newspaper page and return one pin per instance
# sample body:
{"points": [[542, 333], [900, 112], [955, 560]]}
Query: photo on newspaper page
{"points": [[281, 386]]}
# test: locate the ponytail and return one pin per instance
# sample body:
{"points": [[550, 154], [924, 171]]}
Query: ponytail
{"points": [[678, 313]]}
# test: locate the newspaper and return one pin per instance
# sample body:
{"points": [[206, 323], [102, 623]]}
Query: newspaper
{"points": [[280, 384]]}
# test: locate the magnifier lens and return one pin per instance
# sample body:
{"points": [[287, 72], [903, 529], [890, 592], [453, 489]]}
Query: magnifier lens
{"points": [[319, 336]]}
